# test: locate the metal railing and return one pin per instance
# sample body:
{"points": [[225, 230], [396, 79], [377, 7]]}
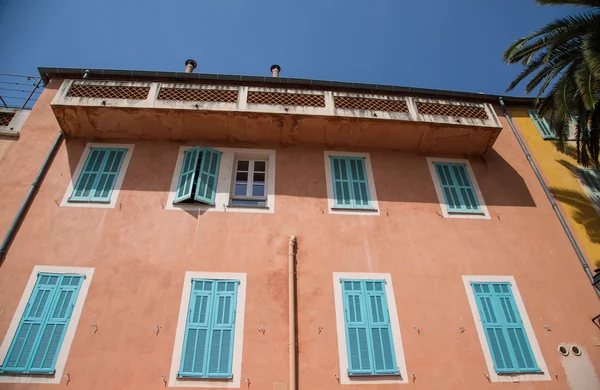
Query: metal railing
{"points": [[19, 91]]}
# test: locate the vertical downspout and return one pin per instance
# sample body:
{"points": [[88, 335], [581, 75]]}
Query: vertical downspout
{"points": [[562, 220], [293, 343]]}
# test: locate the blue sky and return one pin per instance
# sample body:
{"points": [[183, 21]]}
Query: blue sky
{"points": [[438, 44]]}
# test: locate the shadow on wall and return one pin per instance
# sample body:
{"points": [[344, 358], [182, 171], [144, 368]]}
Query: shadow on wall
{"points": [[300, 173]]}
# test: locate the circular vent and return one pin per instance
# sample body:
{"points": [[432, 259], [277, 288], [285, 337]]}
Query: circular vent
{"points": [[563, 350], [576, 351]]}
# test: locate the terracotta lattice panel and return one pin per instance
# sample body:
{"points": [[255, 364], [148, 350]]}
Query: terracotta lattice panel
{"points": [[286, 99], [198, 95], [457, 111], [5, 118], [359, 103], [108, 92]]}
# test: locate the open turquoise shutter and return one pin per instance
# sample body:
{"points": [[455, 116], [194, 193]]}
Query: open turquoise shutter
{"points": [[504, 331], [195, 343], [187, 175], [357, 338], [89, 175], [541, 125], [384, 357], [359, 184], [220, 355], [107, 178], [56, 324], [206, 189], [457, 189], [517, 337], [341, 182], [23, 344], [591, 179]]}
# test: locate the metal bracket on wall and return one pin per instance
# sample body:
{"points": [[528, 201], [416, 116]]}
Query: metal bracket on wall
{"points": [[596, 321]]}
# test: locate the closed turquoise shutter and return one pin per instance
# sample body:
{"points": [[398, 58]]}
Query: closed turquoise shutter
{"points": [[55, 326], [457, 188], [195, 343], [39, 336], [99, 175], [504, 331], [541, 125], [591, 178], [341, 182], [359, 183], [206, 189], [187, 175], [357, 333], [222, 333], [108, 176], [384, 358]]}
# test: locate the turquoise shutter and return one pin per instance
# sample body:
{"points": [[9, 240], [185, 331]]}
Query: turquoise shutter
{"points": [[341, 182], [39, 336], [195, 343], [206, 189], [357, 333], [541, 125], [458, 191], [503, 327], [384, 358], [56, 324], [108, 176], [220, 355], [99, 174], [592, 181], [359, 183], [187, 175], [350, 183]]}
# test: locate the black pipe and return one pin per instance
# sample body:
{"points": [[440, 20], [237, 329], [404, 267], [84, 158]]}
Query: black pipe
{"points": [[12, 230], [563, 223]]}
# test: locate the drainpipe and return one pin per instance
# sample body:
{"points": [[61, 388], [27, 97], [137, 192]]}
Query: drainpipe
{"points": [[563, 223], [12, 230], [293, 343]]}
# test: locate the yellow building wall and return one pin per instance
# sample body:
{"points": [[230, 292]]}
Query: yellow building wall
{"points": [[560, 173]]}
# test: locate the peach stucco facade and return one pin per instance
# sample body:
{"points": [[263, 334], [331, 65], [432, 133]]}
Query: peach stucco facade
{"points": [[140, 253]]}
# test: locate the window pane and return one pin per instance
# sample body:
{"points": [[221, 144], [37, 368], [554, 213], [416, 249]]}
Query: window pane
{"points": [[259, 177], [248, 202], [240, 188], [259, 166], [242, 165], [241, 176], [258, 190]]}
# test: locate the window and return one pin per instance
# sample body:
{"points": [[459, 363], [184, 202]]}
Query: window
{"points": [[199, 176], [542, 125], [39, 337], [98, 176], [350, 184], [457, 190], [510, 348], [369, 341], [210, 330], [250, 184], [591, 184], [368, 331]]}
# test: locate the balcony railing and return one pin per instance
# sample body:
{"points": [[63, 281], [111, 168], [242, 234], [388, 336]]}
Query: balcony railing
{"points": [[249, 99]]}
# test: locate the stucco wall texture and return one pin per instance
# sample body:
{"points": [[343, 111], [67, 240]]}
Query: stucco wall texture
{"points": [[141, 252], [560, 173]]}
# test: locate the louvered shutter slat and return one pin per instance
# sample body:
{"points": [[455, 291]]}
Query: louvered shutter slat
{"points": [[206, 188], [457, 188], [187, 175], [222, 333], [107, 178], [341, 182]]}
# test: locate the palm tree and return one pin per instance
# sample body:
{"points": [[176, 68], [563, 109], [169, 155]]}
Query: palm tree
{"points": [[565, 56]]}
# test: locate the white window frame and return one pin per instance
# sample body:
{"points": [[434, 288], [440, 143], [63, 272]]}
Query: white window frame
{"points": [[117, 187], [370, 179], [586, 189], [238, 340], [61, 359], [341, 330], [225, 181], [250, 181], [535, 347], [440, 194]]}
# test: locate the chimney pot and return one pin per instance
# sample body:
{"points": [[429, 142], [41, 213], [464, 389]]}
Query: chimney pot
{"points": [[275, 69], [190, 65]]}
